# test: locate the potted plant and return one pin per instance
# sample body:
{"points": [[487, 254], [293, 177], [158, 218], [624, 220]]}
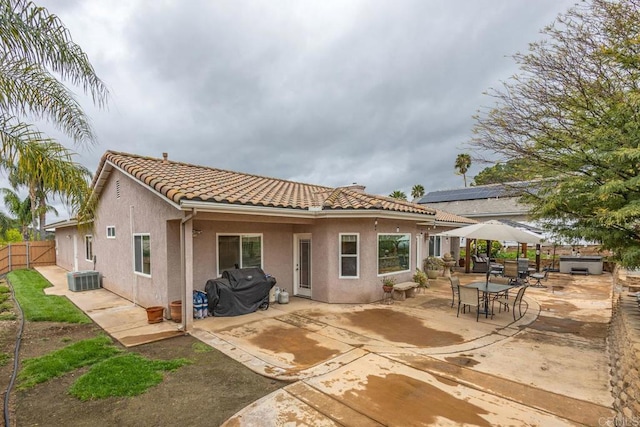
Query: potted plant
{"points": [[420, 277], [432, 265], [388, 283]]}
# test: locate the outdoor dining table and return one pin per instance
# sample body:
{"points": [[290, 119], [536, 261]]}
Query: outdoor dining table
{"points": [[488, 289]]}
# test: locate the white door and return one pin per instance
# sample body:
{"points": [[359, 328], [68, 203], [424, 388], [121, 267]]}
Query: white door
{"points": [[302, 265]]}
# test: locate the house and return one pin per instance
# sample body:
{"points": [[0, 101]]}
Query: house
{"points": [[163, 228], [481, 202]]}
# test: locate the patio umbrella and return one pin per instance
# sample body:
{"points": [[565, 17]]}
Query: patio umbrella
{"points": [[494, 230]]}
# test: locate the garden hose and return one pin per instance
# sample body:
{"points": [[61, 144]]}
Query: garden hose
{"points": [[15, 355]]}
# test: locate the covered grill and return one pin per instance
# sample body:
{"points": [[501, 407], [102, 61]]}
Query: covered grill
{"points": [[239, 291]]}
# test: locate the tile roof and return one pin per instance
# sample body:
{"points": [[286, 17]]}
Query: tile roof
{"points": [[181, 182], [448, 217]]}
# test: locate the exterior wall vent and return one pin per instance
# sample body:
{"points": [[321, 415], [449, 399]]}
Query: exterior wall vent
{"points": [[117, 188], [83, 280]]}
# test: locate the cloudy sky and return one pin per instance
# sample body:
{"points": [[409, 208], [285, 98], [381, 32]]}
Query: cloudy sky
{"points": [[378, 92]]}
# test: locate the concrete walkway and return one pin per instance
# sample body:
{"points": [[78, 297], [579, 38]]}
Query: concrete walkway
{"points": [[410, 363]]}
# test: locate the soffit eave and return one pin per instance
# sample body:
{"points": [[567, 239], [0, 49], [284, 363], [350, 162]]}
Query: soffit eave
{"points": [[303, 213]]}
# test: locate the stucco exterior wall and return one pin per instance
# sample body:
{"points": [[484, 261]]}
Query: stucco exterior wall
{"points": [[278, 254], [132, 208], [367, 287], [277, 247], [65, 238]]}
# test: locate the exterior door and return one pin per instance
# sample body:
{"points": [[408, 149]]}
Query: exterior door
{"points": [[302, 265]]}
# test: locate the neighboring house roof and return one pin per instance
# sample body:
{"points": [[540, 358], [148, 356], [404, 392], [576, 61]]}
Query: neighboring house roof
{"points": [[188, 185], [477, 192], [522, 225], [484, 208], [482, 201]]}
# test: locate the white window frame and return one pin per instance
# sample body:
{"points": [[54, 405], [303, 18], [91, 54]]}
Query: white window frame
{"points": [[142, 235], [111, 231], [408, 235], [437, 246], [88, 247], [356, 256], [240, 235]]}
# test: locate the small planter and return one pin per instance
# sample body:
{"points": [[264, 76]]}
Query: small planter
{"points": [[432, 274], [155, 314], [176, 311], [387, 289]]}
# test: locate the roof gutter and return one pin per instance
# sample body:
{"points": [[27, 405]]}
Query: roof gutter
{"points": [[304, 213]]}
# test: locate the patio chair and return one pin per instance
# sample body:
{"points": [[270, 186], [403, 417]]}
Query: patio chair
{"points": [[517, 302], [501, 296], [455, 282], [539, 277], [469, 297], [511, 272]]}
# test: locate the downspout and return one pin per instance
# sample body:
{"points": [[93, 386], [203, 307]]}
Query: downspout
{"points": [[134, 282], [183, 268]]}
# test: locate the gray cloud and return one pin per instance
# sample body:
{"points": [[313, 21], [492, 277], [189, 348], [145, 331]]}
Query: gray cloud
{"points": [[329, 92]]}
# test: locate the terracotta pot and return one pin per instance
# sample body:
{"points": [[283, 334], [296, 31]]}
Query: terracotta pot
{"points": [[155, 314], [176, 311], [387, 288]]}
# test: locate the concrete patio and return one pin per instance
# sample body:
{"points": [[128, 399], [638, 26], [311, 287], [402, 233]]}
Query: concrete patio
{"points": [[410, 363]]}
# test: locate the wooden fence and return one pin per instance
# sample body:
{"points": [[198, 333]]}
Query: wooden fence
{"points": [[27, 255]]}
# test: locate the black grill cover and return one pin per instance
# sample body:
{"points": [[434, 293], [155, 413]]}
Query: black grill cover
{"points": [[238, 291]]}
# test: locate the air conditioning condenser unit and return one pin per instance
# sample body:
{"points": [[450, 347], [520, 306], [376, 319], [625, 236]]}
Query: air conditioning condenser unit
{"points": [[83, 280]]}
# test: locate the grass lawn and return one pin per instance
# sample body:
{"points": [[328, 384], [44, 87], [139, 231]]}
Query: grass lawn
{"points": [[28, 286], [112, 372]]}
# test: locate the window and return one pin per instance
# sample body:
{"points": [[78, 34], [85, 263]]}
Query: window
{"points": [[434, 245], [393, 252], [111, 232], [88, 247], [141, 254], [239, 250], [349, 245]]}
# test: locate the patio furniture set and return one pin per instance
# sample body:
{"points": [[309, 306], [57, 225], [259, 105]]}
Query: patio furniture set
{"points": [[519, 273], [484, 295]]}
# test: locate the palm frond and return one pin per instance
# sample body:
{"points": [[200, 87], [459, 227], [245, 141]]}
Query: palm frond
{"points": [[29, 32], [30, 89], [15, 138]]}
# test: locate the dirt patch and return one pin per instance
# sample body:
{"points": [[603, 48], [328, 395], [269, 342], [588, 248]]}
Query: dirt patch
{"points": [[559, 307], [421, 401], [570, 326], [401, 328], [207, 392], [462, 361], [438, 303], [306, 351]]}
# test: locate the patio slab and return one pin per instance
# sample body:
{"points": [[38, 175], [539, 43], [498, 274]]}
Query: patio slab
{"points": [[410, 363]]}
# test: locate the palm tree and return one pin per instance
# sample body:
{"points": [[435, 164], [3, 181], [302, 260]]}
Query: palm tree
{"points": [[400, 195], [417, 191], [48, 168], [6, 223], [20, 209], [35, 47], [463, 163]]}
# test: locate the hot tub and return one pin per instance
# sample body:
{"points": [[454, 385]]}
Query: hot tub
{"points": [[593, 264]]}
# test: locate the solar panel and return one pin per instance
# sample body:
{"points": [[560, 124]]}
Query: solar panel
{"points": [[473, 193]]}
